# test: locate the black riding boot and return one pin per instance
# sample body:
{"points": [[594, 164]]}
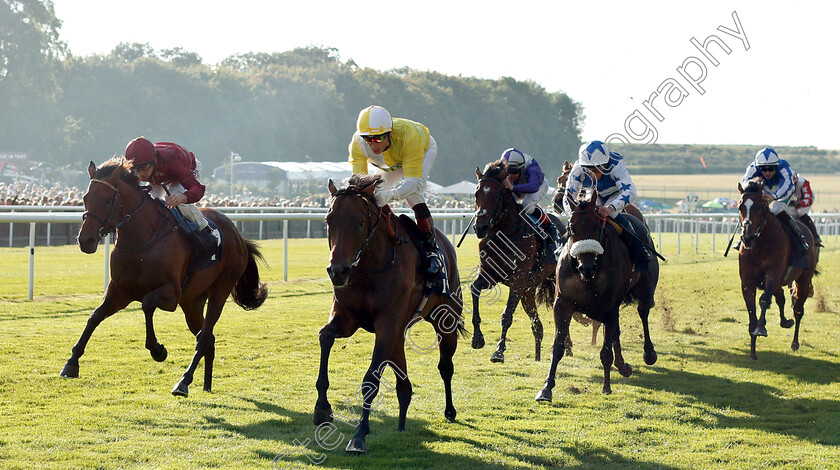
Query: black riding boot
{"points": [[806, 219], [424, 221], [786, 218], [553, 241], [203, 240], [638, 253]]}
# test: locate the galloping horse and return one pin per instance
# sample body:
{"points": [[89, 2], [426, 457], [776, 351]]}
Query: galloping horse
{"points": [[378, 278], [764, 262], [594, 277], [629, 209], [509, 254], [150, 263]]}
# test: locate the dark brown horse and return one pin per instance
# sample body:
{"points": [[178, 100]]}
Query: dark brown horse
{"points": [[594, 277], [628, 209], [510, 253], [150, 262], [378, 278], [764, 263]]}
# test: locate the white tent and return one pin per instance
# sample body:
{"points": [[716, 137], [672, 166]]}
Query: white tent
{"points": [[463, 187]]}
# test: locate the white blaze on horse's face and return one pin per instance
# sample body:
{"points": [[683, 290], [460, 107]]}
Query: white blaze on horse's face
{"points": [[747, 206]]}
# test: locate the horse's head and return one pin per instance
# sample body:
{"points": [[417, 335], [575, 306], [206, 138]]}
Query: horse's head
{"points": [[490, 197], [351, 221], [753, 211], [585, 235], [103, 201]]}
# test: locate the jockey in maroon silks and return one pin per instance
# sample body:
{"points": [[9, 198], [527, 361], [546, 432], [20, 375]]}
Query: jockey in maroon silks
{"points": [[172, 171]]}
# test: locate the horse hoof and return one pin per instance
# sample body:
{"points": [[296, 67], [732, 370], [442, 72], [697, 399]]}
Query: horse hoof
{"points": [[70, 371], [650, 358], [356, 445], [606, 390], [159, 354], [760, 331], [450, 415], [626, 370], [322, 416], [497, 357], [786, 323], [794, 346], [181, 390], [544, 395], [568, 352], [478, 341]]}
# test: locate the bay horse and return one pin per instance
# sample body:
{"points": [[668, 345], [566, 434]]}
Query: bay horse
{"points": [[509, 251], [631, 209], [149, 264], [764, 263], [595, 276], [378, 278]]}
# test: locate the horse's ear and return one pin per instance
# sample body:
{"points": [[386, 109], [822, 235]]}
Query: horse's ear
{"points": [[370, 189], [91, 169], [478, 174], [740, 189], [567, 167], [331, 187], [593, 197], [560, 181]]}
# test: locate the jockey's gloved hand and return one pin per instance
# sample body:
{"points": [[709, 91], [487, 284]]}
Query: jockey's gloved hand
{"points": [[384, 197]]}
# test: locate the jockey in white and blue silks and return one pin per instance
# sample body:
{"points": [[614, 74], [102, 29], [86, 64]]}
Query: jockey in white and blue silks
{"points": [[779, 186], [605, 171], [525, 177]]}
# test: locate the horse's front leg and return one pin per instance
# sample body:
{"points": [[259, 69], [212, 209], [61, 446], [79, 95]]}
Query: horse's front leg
{"points": [[748, 291], [562, 317], [507, 320], [476, 287], [382, 350], [166, 298], [110, 305], [341, 325], [780, 301], [610, 336], [530, 305]]}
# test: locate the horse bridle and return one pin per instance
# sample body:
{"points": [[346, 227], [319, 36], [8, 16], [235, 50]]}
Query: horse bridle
{"points": [[496, 215], [371, 231], [104, 230], [758, 230]]}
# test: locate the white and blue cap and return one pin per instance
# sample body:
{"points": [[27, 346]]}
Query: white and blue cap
{"points": [[516, 159], [767, 157], [595, 153]]}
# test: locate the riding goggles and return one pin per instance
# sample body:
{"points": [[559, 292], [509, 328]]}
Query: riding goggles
{"points": [[375, 138], [764, 168]]}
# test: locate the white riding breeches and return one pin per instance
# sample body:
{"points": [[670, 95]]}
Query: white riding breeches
{"points": [[390, 178], [189, 211], [776, 207], [531, 200]]}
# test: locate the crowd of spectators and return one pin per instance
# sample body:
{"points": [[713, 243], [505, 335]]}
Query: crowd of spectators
{"points": [[32, 194]]}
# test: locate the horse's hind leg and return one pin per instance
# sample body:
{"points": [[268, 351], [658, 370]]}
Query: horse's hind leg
{"points": [[530, 305], [475, 289], [194, 315], [780, 301], [205, 343], [596, 325], [800, 294], [110, 305], [507, 320], [644, 290]]}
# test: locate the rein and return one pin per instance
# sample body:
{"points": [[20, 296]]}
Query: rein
{"points": [[500, 210], [379, 216], [104, 230]]}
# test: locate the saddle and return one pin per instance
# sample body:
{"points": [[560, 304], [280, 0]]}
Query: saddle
{"points": [[438, 284], [212, 244], [798, 258]]}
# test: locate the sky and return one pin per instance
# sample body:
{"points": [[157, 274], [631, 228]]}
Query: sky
{"points": [[632, 65]]}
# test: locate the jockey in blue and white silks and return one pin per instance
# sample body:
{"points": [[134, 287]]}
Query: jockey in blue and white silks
{"points": [[598, 168], [779, 186]]}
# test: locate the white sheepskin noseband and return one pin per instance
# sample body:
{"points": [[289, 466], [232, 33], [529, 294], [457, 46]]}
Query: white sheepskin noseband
{"points": [[586, 246]]}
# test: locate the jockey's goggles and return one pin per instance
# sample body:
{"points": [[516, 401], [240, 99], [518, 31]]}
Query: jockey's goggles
{"points": [[515, 169], [764, 168], [375, 138], [143, 167]]}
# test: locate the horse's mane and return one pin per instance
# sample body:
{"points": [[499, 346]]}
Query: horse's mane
{"points": [[107, 169], [754, 185], [495, 169], [357, 184]]}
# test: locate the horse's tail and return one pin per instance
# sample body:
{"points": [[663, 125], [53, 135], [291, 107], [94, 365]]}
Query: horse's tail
{"points": [[545, 292], [249, 292]]}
